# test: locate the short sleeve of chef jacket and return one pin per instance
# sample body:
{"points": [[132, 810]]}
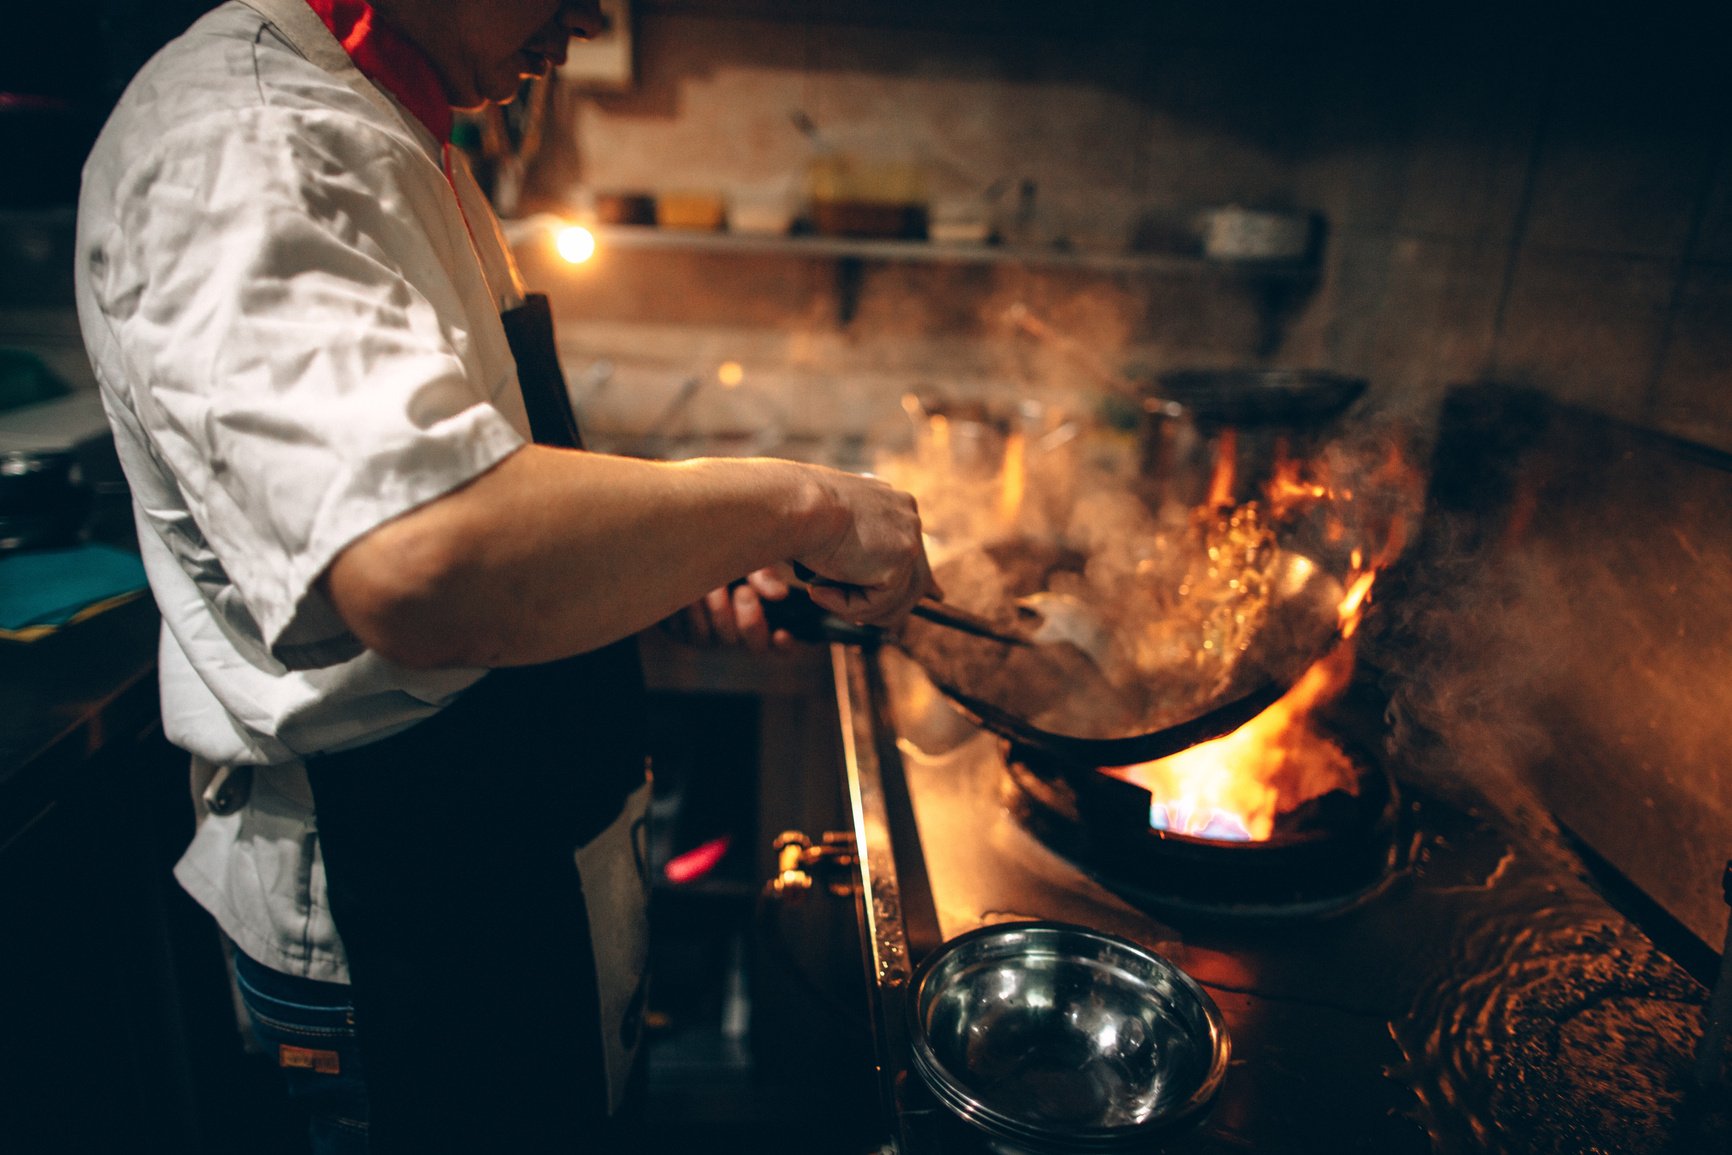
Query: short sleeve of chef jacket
{"points": [[296, 304]]}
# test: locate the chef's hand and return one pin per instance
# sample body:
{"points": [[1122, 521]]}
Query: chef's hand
{"points": [[874, 569], [733, 615]]}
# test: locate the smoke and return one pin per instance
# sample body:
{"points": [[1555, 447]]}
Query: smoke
{"points": [[1455, 644], [1453, 636], [1562, 644]]}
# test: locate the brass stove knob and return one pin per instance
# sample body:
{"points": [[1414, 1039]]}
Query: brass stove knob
{"points": [[798, 861]]}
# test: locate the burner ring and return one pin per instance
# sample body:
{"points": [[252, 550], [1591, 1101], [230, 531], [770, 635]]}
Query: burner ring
{"points": [[1100, 822]]}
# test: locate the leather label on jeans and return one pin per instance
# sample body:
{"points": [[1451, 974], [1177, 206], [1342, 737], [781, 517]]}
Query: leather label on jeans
{"points": [[306, 1059]]}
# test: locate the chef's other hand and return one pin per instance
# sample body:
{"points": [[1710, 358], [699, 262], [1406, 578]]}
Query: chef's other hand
{"points": [[875, 569], [733, 615]]}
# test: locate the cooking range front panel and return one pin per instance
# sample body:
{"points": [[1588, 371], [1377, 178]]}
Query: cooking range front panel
{"points": [[1480, 998]]}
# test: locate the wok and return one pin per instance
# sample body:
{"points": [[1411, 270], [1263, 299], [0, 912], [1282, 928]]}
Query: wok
{"points": [[1056, 700]]}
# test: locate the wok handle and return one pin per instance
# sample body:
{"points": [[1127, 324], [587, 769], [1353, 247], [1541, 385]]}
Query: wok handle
{"points": [[944, 614], [933, 610], [807, 621], [812, 577]]}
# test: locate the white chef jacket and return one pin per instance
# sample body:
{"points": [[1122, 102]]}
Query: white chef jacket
{"points": [[296, 332]]}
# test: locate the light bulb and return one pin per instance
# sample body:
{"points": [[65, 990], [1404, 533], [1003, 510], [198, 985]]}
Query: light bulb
{"points": [[575, 243]]}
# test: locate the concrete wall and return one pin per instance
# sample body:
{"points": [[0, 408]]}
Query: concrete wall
{"points": [[1507, 194]]}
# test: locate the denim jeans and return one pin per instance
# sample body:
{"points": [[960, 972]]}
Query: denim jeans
{"points": [[308, 1029]]}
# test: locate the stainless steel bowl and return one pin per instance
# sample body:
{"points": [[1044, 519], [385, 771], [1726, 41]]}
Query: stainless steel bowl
{"points": [[1053, 1037]]}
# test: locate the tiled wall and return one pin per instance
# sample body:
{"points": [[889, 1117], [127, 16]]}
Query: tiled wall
{"points": [[1507, 195]]}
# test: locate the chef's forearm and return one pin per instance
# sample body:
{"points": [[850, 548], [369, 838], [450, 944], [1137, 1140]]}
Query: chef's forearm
{"points": [[554, 552]]}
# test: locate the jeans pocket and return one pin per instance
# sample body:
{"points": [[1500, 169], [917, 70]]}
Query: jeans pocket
{"points": [[308, 1030]]}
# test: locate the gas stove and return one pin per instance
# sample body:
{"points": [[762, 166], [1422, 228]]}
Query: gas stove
{"points": [[1448, 988], [1329, 852]]}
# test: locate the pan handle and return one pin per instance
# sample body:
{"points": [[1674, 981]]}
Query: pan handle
{"points": [[807, 621], [812, 577], [933, 610]]}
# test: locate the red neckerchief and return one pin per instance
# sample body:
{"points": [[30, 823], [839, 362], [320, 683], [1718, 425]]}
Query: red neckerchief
{"points": [[390, 61]]}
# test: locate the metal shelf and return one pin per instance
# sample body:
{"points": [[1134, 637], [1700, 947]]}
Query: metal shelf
{"points": [[850, 249]]}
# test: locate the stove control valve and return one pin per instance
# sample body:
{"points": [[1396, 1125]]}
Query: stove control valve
{"points": [[798, 861]]}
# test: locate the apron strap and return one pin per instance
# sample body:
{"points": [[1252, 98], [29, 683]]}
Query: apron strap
{"points": [[452, 854], [529, 330]]}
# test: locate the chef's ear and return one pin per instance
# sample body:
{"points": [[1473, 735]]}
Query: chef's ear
{"points": [[584, 19]]}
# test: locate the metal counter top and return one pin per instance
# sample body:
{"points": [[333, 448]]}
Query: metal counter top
{"points": [[1482, 992]]}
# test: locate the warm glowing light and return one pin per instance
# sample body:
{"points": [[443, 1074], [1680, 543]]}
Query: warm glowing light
{"points": [[1013, 477], [1226, 456], [575, 243], [1233, 788], [940, 429], [730, 373], [1288, 490], [1260, 779], [1354, 602]]}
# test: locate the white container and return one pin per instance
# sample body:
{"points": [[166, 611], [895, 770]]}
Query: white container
{"points": [[1232, 233], [959, 222], [760, 212]]}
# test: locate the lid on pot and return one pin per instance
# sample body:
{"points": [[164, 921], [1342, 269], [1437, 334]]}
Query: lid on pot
{"points": [[1258, 396]]}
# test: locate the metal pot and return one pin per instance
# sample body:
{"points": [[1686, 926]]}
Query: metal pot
{"points": [[991, 467], [43, 500], [1220, 434]]}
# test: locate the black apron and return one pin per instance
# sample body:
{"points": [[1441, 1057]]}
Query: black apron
{"points": [[452, 854]]}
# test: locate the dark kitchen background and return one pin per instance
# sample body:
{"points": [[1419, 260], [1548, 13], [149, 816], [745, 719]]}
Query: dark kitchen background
{"points": [[1518, 231]]}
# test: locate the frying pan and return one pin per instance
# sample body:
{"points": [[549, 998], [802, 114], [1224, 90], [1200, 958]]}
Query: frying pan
{"points": [[1050, 699]]}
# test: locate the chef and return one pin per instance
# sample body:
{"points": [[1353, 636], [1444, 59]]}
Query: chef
{"points": [[398, 598]]}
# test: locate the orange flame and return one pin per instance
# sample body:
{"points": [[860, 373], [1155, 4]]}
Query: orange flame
{"points": [[1221, 482], [1288, 489], [1234, 787], [1014, 477], [1353, 605], [939, 425]]}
